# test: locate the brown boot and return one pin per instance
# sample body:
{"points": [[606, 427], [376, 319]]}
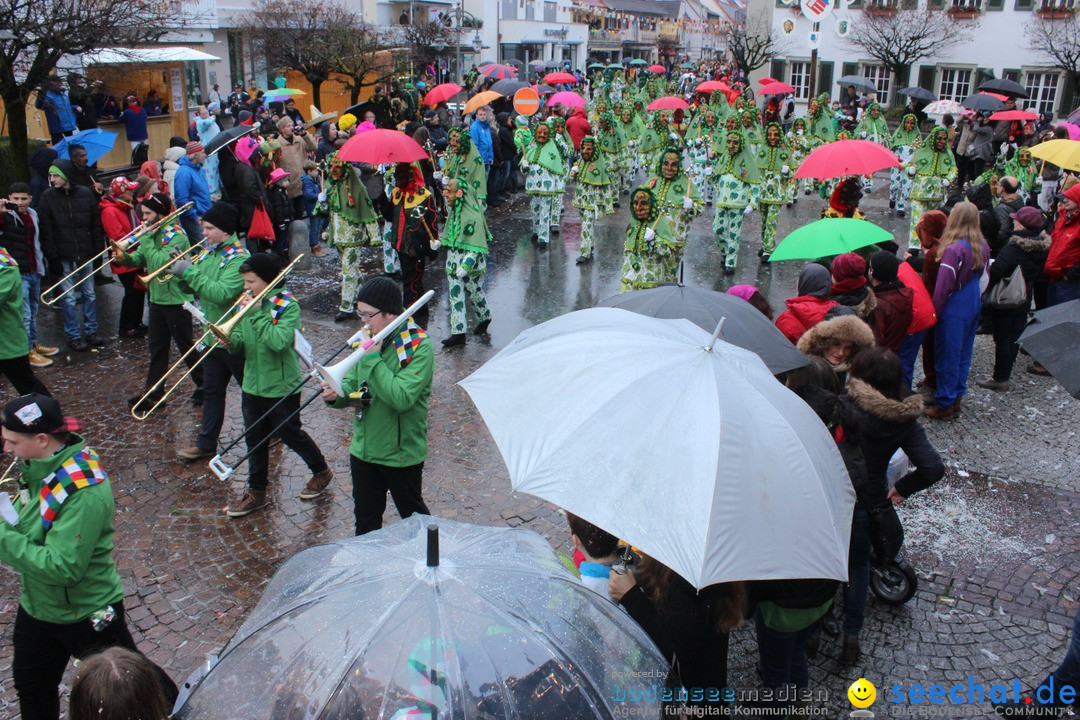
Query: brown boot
{"points": [[316, 486], [249, 502]]}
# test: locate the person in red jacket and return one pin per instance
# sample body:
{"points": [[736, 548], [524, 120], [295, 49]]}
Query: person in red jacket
{"points": [[810, 306], [118, 219], [1063, 261], [892, 315], [923, 317], [578, 127]]}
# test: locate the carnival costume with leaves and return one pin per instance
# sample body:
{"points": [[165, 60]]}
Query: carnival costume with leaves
{"points": [[873, 127], [523, 135], [612, 145], [545, 182], [465, 165], [413, 231], [352, 225], [653, 140], [935, 171], [751, 131], [1023, 168], [820, 126], [700, 142], [738, 187], [466, 238], [776, 166], [904, 143], [590, 190], [645, 262], [671, 196], [632, 131]]}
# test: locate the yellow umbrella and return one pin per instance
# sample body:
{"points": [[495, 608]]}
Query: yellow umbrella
{"points": [[1063, 153], [479, 100]]}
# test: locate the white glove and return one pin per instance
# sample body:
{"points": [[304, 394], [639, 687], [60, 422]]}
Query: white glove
{"points": [[673, 136], [630, 144], [708, 170], [698, 142], [573, 171], [462, 271], [436, 175], [322, 196], [862, 135], [749, 209], [435, 245], [911, 170], [1038, 180], [524, 167], [650, 235], [445, 181], [785, 170], [687, 204], [1004, 148], [381, 169], [798, 132], [944, 182]]}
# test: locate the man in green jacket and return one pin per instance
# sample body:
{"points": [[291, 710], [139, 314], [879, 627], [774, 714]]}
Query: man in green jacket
{"points": [[271, 372], [14, 346], [215, 278], [72, 601], [389, 390], [168, 319]]}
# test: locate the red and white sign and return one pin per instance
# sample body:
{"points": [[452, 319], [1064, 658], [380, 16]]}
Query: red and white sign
{"points": [[816, 9]]}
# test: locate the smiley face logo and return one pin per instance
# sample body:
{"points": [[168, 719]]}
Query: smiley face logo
{"points": [[862, 693]]}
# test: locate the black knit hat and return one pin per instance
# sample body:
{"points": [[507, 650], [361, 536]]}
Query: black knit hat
{"points": [[884, 265], [224, 216], [383, 294], [158, 203], [264, 265]]}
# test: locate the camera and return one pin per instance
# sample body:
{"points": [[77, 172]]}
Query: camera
{"points": [[11, 205]]}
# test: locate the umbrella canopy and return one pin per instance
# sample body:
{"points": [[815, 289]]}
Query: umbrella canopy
{"points": [[491, 626], [762, 490], [982, 101], [97, 144], [828, 237], [509, 86], [944, 107], [1063, 153], [486, 62], [744, 325], [776, 88], [1073, 130], [571, 99], [658, 69], [918, 93], [225, 137], [441, 93], [1014, 115], [767, 81], [846, 157], [687, 66], [542, 89], [639, 62], [996, 96], [1053, 339], [498, 72], [859, 82], [481, 99], [382, 147], [668, 102], [595, 66], [1005, 87], [560, 78], [615, 66], [712, 86]]}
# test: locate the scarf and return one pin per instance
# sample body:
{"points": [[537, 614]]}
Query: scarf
{"points": [[406, 342], [278, 303], [6, 260], [81, 470], [908, 138]]}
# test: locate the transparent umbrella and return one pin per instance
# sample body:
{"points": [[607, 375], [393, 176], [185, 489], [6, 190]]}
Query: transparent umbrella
{"points": [[374, 628]]}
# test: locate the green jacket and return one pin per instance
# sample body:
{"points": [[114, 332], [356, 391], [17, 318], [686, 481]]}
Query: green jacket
{"points": [[271, 366], [152, 253], [216, 279], [13, 340], [393, 431], [68, 572]]}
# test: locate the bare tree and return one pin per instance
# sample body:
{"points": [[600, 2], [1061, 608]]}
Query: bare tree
{"points": [[903, 38], [1058, 42], [298, 36], [753, 44], [41, 32], [421, 37], [362, 57]]}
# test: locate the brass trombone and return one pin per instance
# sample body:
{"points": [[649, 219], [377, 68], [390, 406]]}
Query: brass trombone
{"points": [[162, 275], [220, 333], [122, 245]]}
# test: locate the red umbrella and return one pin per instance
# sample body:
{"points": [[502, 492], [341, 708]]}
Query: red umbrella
{"points": [[767, 80], [1014, 115], [846, 157], [996, 96], [441, 93], [382, 147], [776, 88], [499, 72], [559, 78], [668, 102], [712, 86], [658, 69]]}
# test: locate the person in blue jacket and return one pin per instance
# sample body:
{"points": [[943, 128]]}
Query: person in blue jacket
{"points": [[59, 114], [480, 130], [189, 185]]}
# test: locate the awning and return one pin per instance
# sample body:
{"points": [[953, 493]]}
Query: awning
{"points": [[120, 56]]}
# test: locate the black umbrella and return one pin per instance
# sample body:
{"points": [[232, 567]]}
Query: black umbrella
{"points": [[486, 62], [1053, 339], [859, 82], [542, 89], [982, 102], [509, 86], [225, 137], [919, 94], [1005, 87], [744, 325], [516, 63]]}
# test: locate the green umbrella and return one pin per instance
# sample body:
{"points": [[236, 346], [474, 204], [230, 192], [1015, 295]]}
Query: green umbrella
{"points": [[596, 66], [828, 237], [614, 66], [688, 65], [639, 62]]}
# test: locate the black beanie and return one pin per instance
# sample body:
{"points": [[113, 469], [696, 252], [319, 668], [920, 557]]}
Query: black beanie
{"points": [[383, 294], [158, 203], [264, 265], [224, 216], [177, 141], [884, 266]]}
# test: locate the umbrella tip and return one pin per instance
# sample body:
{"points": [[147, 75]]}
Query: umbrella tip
{"points": [[433, 545]]}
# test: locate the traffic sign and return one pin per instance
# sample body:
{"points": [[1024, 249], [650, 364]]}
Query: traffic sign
{"points": [[526, 101]]}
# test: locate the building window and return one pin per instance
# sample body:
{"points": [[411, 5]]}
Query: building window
{"points": [[882, 78], [509, 10], [800, 79], [1042, 91], [549, 11], [955, 84]]}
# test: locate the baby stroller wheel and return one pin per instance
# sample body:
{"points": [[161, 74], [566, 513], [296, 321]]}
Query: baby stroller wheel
{"points": [[894, 583]]}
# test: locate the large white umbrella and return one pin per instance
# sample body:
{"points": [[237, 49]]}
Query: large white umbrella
{"points": [[684, 446]]}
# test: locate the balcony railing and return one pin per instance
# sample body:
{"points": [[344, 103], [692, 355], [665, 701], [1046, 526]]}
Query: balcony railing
{"points": [[1056, 9], [965, 8], [881, 7]]}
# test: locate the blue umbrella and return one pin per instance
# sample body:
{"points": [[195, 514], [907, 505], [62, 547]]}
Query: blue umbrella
{"points": [[97, 144]]}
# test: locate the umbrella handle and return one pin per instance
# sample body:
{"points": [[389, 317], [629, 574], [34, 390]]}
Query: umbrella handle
{"points": [[715, 335]]}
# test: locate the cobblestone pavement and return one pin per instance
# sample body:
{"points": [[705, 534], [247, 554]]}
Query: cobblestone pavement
{"points": [[995, 544]]}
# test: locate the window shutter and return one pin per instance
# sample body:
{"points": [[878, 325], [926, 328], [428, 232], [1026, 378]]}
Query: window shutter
{"points": [[776, 70], [928, 78], [1068, 95], [982, 75], [995, 5], [825, 78]]}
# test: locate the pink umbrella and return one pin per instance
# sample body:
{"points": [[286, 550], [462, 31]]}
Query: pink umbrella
{"points": [[712, 86], [846, 157], [570, 99], [668, 102], [776, 88], [1074, 130], [1014, 115], [996, 96]]}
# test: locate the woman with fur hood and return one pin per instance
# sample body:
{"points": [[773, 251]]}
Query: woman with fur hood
{"points": [[849, 285], [838, 340]]}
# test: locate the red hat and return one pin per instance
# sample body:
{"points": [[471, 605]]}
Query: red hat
{"points": [[194, 147], [120, 185]]}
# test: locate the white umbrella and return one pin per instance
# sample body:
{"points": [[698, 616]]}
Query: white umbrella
{"points": [[684, 446], [944, 107]]}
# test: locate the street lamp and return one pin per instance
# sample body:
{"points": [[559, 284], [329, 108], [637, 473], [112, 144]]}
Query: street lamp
{"points": [[477, 42], [438, 46]]}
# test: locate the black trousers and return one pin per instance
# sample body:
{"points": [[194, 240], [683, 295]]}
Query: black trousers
{"points": [[1008, 325], [412, 277], [218, 367], [370, 484], [286, 416], [21, 375], [169, 322], [131, 306], [42, 651]]}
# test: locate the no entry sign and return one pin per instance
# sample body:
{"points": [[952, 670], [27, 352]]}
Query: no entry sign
{"points": [[526, 101]]}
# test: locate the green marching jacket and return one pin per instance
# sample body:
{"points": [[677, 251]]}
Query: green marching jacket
{"points": [[13, 340], [393, 430], [67, 570], [216, 278], [153, 252], [265, 336]]}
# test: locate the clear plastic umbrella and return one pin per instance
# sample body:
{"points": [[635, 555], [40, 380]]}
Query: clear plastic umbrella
{"points": [[375, 628]]}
